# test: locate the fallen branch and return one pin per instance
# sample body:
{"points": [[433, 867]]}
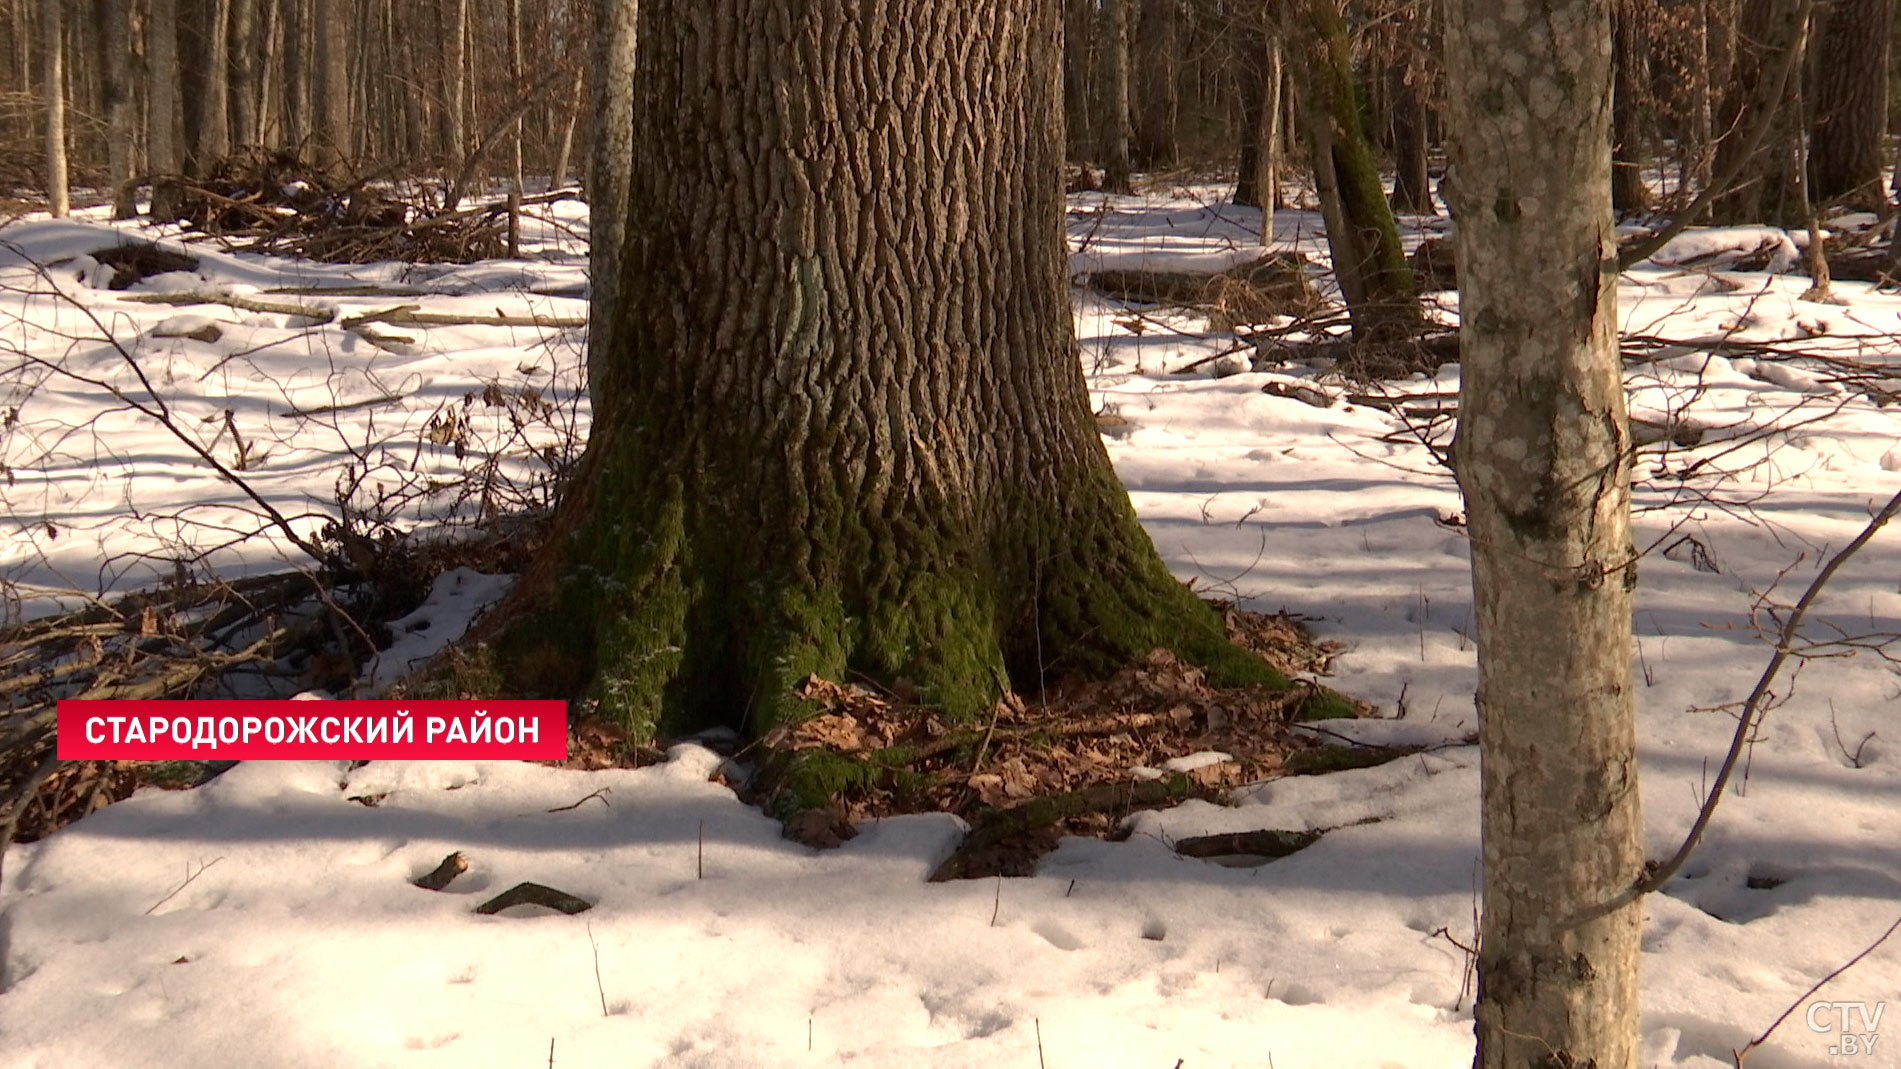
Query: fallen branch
{"points": [[317, 315], [996, 825], [535, 894], [407, 315], [1268, 842]]}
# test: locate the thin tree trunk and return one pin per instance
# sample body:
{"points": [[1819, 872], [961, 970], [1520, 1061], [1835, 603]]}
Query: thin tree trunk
{"points": [[212, 137], [53, 91], [1630, 55], [1078, 63], [455, 69], [299, 78], [331, 27], [564, 156], [609, 184], [1543, 457], [1115, 95], [515, 75], [1412, 182], [1257, 68], [161, 107], [245, 57]]}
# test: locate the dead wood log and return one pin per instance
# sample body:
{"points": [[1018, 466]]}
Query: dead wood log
{"points": [[1269, 843], [408, 315], [1274, 285], [442, 875], [994, 826], [535, 894], [318, 316]]}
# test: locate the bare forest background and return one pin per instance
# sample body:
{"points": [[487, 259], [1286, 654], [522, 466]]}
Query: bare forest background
{"points": [[377, 89]]}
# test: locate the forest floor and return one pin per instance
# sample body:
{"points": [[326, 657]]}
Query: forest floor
{"points": [[267, 917]]}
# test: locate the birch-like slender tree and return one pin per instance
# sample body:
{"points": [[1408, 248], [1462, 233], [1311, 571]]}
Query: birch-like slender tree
{"points": [[1543, 457]]}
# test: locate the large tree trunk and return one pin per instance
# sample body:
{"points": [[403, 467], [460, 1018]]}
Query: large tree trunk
{"points": [[115, 56], [1362, 235], [1850, 111], [53, 91], [1543, 458], [1157, 62], [851, 432], [1114, 114]]}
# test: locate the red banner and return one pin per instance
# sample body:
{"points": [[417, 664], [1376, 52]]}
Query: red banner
{"points": [[312, 730]]}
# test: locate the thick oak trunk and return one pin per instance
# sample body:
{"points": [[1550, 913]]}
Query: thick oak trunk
{"points": [[850, 433], [1543, 457]]}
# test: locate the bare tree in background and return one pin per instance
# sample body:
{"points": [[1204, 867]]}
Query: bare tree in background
{"points": [[53, 91], [161, 104], [1543, 458], [610, 181], [114, 19], [1114, 114]]}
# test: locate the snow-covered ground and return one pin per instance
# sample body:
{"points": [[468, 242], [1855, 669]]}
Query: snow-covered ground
{"points": [[267, 919]]}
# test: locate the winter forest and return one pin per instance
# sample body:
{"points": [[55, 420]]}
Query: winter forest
{"points": [[1067, 533]]}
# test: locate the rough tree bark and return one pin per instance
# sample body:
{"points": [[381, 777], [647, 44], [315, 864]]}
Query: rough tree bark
{"points": [[1114, 113], [1850, 109], [115, 90], [1766, 30], [1157, 63], [852, 433], [1543, 458], [1412, 179], [161, 104], [53, 91], [1631, 62], [1257, 66], [609, 183], [331, 29], [247, 53], [1078, 65], [209, 116]]}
